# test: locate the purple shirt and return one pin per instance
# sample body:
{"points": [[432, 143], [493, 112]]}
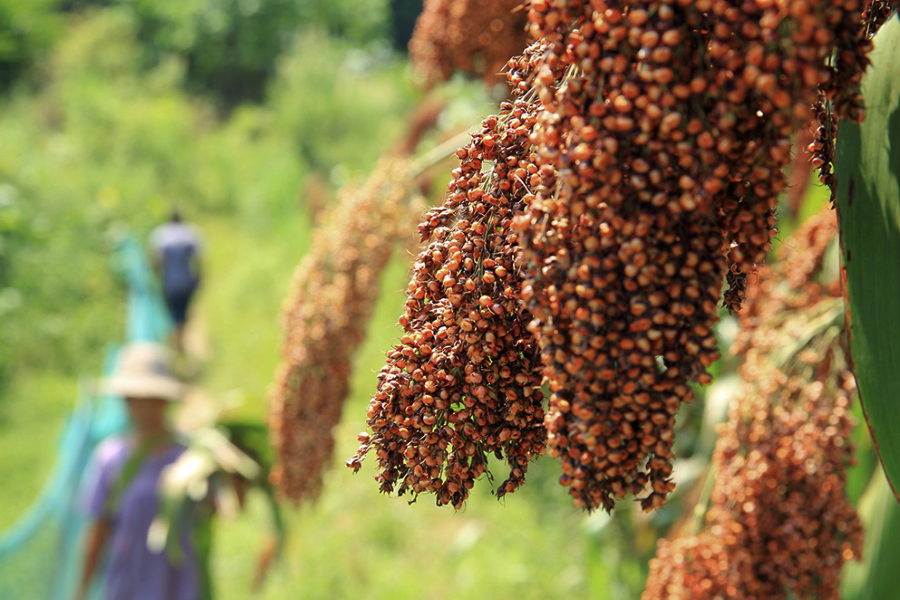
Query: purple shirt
{"points": [[132, 570]]}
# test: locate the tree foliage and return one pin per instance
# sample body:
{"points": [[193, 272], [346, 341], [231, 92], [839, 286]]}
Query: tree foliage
{"points": [[231, 47]]}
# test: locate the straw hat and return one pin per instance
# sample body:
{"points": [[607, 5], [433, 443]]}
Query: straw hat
{"points": [[144, 371]]}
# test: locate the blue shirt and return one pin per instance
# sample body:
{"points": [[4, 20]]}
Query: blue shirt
{"points": [[176, 246]]}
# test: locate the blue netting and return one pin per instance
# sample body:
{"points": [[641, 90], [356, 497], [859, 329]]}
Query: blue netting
{"points": [[40, 555]]}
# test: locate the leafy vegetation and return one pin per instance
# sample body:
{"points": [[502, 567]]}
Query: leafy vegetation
{"points": [[229, 48], [28, 29]]}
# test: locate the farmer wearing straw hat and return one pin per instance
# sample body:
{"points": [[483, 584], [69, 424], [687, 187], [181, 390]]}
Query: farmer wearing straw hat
{"points": [[122, 491]]}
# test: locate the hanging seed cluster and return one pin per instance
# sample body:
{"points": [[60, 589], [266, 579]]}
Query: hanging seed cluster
{"points": [[651, 171], [667, 138], [779, 523], [822, 146], [842, 89], [464, 381], [876, 12], [325, 317], [470, 36]]}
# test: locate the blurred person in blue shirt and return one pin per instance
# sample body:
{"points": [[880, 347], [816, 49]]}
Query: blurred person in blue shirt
{"points": [[176, 247]]}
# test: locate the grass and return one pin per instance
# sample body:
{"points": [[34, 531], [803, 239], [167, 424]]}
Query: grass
{"points": [[30, 428]]}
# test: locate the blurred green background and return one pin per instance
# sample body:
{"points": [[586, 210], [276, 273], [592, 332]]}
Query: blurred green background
{"points": [[249, 115]]}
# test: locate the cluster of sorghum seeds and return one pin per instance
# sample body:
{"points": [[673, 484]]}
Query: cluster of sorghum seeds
{"points": [[470, 36], [822, 147], [667, 139], [648, 170], [464, 381], [876, 12], [702, 567], [840, 96], [779, 520], [325, 317]]}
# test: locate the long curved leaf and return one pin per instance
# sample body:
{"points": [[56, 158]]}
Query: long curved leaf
{"points": [[875, 578], [867, 167]]}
